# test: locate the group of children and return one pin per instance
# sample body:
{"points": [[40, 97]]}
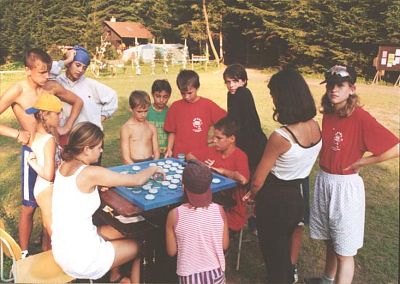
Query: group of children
{"points": [[153, 131], [198, 230]]}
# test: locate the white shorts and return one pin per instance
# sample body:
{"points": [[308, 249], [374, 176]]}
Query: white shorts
{"points": [[338, 212]]}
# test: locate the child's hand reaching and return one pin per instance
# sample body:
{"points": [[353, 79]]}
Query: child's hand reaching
{"points": [[168, 153], [209, 163], [159, 174], [249, 196]]}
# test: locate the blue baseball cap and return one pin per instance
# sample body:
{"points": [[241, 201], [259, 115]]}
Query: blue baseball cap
{"points": [[82, 55]]}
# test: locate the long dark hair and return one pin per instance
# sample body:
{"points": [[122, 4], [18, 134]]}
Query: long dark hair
{"points": [[292, 97]]}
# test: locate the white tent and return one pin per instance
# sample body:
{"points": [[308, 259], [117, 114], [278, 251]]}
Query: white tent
{"points": [[146, 52]]}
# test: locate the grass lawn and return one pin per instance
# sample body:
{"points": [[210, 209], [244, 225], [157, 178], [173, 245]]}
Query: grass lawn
{"points": [[377, 261]]}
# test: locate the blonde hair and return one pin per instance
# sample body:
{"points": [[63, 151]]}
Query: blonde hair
{"points": [[84, 134], [39, 116]]}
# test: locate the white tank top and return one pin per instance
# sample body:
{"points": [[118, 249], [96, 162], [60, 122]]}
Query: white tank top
{"points": [[77, 247], [72, 212], [38, 148], [298, 161]]}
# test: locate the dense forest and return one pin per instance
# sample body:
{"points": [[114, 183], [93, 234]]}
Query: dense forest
{"points": [[310, 34]]}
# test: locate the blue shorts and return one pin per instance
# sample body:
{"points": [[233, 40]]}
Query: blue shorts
{"points": [[28, 179]]}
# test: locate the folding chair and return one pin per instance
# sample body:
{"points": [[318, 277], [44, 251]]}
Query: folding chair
{"points": [[239, 250], [38, 268]]}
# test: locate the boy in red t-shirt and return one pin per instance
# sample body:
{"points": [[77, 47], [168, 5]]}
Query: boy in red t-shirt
{"points": [[227, 159], [189, 119]]}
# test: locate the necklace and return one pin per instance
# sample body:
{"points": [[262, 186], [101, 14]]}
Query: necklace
{"points": [[80, 161]]}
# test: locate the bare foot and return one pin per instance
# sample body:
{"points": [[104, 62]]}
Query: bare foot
{"points": [[115, 275], [125, 280]]}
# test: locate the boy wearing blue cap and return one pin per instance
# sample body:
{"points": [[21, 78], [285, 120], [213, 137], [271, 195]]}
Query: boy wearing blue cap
{"points": [[20, 97], [100, 101]]}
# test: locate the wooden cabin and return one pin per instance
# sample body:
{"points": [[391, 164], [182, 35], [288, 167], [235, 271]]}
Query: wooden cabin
{"points": [[125, 34]]}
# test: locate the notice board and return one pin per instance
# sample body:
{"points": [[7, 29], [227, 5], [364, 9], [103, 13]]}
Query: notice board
{"points": [[388, 58]]}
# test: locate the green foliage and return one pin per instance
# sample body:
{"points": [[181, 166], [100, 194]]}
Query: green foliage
{"points": [[303, 33]]}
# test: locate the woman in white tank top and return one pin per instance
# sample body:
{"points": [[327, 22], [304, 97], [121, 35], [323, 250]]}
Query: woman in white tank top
{"points": [[80, 248], [288, 158]]}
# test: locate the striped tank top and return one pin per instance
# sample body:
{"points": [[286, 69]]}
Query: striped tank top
{"points": [[199, 236]]}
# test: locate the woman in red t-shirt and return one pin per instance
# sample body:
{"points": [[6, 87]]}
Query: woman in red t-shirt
{"points": [[338, 209]]}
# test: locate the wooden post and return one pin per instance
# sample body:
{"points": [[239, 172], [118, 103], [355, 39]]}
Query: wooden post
{"points": [[184, 55], [397, 83], [376, 78], [165, 65], [207, 56], [221, 50], [137, 65]]}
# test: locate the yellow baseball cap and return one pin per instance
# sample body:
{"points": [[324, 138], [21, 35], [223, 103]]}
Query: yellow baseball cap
{"points": [[46, 102]]}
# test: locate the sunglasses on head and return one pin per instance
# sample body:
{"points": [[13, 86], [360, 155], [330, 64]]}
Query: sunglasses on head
{"points": [[337, 70]]}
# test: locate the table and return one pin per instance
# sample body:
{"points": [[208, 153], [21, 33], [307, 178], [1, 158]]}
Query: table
{"points": [[156, 266], [169, 191]]}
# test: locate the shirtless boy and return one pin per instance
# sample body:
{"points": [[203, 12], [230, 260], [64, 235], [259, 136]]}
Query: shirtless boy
{"points": [[138, 136], [20, 97]]}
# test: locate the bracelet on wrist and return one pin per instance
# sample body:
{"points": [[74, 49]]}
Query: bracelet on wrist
{"points": [[16, 138]]}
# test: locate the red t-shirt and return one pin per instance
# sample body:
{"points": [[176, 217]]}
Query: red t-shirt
{"points": [[190, 122], [345, 140], [236, 161]]}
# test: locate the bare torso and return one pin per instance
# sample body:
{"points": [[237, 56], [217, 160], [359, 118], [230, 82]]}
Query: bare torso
{"points": [[26, 99], [140, 139]]}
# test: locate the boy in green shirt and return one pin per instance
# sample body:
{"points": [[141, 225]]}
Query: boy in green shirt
{"points": [[161, 92]]}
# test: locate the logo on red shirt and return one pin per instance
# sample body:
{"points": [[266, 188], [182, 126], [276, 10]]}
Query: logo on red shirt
{"points": [[337, 141], [197, 123]]}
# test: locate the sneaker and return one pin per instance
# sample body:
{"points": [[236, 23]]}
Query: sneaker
{"points": [[295, 273], [24, 254]]}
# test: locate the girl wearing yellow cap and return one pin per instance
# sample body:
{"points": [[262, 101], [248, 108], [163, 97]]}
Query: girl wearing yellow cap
{"points": [[44, 157]]}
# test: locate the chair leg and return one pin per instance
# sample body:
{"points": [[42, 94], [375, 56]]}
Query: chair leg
{"points": [[239, 250], [12, 273]]}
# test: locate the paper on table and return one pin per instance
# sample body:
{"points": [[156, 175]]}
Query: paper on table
{"points": [[127, 220]]}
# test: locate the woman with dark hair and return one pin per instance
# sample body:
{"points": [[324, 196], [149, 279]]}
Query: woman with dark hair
{"points": [[287, 160]]}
